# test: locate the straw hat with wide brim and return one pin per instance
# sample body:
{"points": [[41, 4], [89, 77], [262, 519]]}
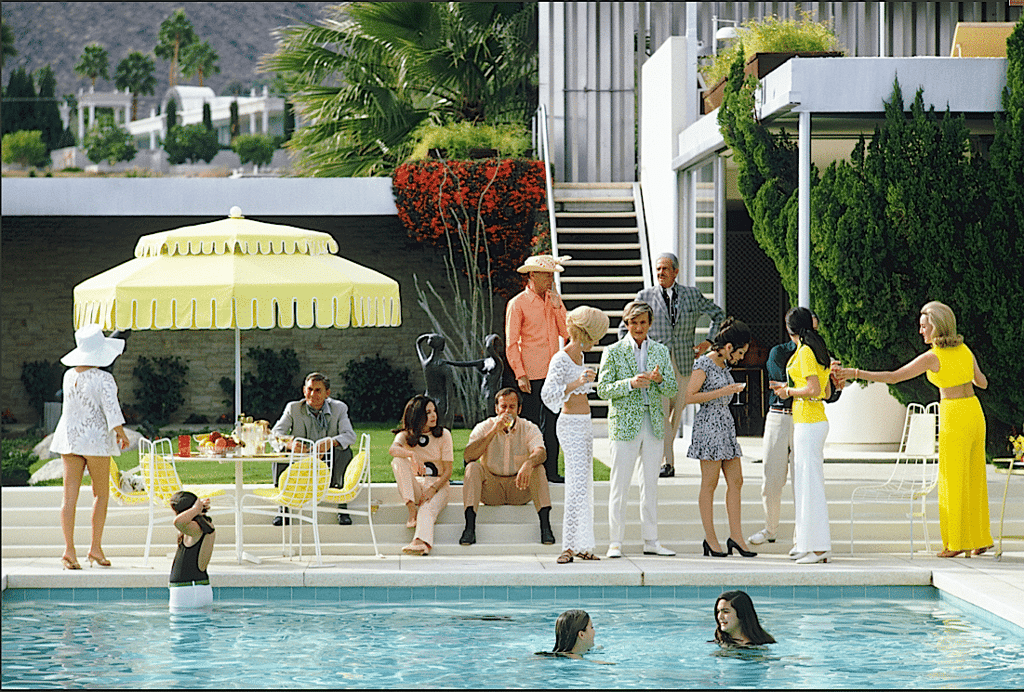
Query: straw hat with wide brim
{"points": [[544, 263], [94, 349]]}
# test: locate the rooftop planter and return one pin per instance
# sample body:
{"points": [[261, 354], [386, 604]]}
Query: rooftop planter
{"points": [[765, 45], [759, 65]]}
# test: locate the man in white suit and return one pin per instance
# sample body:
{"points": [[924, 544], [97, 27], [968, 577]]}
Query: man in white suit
{"points": [[676, 311]]}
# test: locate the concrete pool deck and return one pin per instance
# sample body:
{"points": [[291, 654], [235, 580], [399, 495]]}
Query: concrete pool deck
{"points": [[996, 586]]}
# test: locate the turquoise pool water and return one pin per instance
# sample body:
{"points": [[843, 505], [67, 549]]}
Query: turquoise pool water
{"points": [[890, 637]]}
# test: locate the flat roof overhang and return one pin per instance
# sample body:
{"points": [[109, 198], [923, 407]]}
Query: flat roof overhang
{"points": [[846, 97]]}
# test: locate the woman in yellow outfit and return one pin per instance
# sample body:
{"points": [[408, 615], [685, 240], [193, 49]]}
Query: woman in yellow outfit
{"points": [[963, 487]]}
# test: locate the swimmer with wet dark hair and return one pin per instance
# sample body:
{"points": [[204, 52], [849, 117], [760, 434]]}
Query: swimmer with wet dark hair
{"points": [[737, 621], [574, 636], [189, 583]]}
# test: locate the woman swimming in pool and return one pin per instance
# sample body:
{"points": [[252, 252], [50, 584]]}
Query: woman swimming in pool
{"points": [[737, 621], [574, 635]]}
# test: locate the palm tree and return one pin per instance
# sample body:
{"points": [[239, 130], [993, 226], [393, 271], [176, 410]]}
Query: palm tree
{"points": [[199, 58], [93, 63], [135, 72], [7, 50], [373, 72], [176, 33]]}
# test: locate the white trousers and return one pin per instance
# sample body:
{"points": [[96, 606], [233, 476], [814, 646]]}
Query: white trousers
{"points": [[812, 530], [778, 452], [645, 449], [576, 437], [195, 597]]}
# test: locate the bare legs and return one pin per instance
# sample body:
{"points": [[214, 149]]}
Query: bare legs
{"points": [[74, 470], [709, 472]]}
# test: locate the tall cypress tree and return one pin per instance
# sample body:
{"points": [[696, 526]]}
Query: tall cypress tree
{"points": [[46, 112]]}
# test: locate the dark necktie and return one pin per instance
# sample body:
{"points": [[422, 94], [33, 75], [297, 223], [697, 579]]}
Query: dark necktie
{"points": [[670, 304]]}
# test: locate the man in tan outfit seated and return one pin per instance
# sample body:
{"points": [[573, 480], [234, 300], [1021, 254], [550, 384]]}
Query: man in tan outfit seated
{"points": [[505, 466]]}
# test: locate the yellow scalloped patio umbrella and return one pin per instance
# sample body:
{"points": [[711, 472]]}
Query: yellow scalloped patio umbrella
{"points": [[237, 274]]}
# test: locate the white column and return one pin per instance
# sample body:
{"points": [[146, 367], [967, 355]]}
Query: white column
{"points": [[92, 115], [152, 132], [252, 124], [804, 213], [81, 117], [266, 115]]}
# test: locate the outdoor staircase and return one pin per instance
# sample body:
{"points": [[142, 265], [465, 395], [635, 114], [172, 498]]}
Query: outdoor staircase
{"points": [[601, 226]]}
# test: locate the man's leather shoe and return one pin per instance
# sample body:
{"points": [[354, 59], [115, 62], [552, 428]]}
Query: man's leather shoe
{"points": [[280, 520], [614, 550], [667, 471], [344, 520], [547, 537], [469, 536], [556, 479]]}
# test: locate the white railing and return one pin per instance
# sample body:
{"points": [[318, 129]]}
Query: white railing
{"points": [[542, 148]]}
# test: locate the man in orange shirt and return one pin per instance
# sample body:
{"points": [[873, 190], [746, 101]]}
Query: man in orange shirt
{"points": [[534, 319]]}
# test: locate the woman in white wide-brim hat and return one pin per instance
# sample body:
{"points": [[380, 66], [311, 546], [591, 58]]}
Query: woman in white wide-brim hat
{"points": [[89, 432]]}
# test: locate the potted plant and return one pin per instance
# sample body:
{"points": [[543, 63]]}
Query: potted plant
{"points": [[765, 45]]}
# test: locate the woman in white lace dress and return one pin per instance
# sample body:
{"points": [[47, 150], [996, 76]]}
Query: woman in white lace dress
{"points": [[565, 389], [89, 432]]}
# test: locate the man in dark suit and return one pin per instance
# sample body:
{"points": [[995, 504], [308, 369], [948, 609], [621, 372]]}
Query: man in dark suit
{"points": [[315, 417], [676, 311]]}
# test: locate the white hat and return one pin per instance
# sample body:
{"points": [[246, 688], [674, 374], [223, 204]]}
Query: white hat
{"points": [[93, 348], [543, 263]]}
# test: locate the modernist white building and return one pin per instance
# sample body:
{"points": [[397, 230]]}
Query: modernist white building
{"points": [[257, 114]]}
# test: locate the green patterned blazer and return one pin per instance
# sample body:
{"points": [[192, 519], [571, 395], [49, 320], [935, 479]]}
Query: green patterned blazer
{"points": [[625, 412]]}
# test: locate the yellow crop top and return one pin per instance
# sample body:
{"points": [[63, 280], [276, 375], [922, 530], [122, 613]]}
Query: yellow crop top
{"points": [[956, 366], [801, 366]]}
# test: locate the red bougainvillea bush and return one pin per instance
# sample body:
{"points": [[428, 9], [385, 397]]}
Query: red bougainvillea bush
{"points": [[489, 207]]}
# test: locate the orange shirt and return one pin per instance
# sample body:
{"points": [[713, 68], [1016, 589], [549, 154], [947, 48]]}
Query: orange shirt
{"points": [[532, 328]]}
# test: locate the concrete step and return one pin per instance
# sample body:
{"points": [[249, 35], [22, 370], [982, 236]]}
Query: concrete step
{"points": [[593, 186], [31, 522]]}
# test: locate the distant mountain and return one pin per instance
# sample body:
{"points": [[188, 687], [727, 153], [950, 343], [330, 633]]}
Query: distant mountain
{"points": [[55, 33]]}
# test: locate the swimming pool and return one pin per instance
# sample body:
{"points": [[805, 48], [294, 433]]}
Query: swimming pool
{"points": [[902, 637]]}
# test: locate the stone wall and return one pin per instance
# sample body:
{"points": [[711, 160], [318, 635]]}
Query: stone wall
{"points": [[42, 259]]}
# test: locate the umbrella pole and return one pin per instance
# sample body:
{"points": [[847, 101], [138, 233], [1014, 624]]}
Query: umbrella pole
{"points": [[238, 373]]}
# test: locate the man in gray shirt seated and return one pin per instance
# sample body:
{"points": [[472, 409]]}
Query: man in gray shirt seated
{"points": [[314, 417]]}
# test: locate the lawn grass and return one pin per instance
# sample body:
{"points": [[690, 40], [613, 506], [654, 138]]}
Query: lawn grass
{"points": [[215, 471]]}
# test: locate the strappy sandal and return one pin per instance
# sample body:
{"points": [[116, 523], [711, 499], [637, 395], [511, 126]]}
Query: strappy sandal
{"points": [[946, 552], [587, 555], [565, 558], [70, 563], [982, 551], [101, 561]]}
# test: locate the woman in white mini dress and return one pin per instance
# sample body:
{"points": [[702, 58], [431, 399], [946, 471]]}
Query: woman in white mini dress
{"points": [[89, 432], [565, 390]]}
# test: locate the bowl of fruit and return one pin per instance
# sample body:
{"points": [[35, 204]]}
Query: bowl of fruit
{"points": [[215, 444]]}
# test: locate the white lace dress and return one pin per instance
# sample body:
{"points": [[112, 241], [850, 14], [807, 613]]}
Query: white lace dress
{"points": [[89, 415], [576, 436]]}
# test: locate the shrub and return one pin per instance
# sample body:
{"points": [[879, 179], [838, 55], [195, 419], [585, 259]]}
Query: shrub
{"points": [[266, 391], [161, 380], [255, 149], [41, 380], [17, 460], [192, 143], [108, 142], [511, 141], [25, 147], [484, 210], [375, 390]]}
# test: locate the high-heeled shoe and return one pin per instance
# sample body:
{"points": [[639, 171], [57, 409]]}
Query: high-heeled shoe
{"points": [[712, 553], [730, 543], [101, 561], [70, 563]]}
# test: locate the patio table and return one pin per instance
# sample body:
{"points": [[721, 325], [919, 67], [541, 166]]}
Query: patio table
{"points": [[238, 460]]}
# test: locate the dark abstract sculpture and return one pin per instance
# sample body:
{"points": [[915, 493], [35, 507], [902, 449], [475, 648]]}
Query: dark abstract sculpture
{"points": [[439, 376]]}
